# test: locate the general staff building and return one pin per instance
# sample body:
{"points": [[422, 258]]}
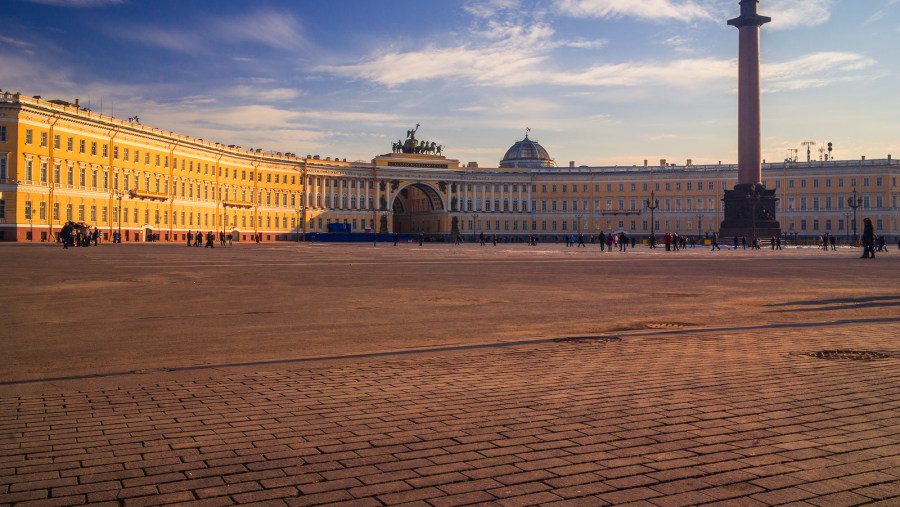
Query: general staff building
{"points": [[61, 162]]}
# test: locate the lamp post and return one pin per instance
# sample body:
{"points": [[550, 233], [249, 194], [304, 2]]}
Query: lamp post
{"points": [[119, 196], [699, 224], [854, 202], [474, 227], [578, 223], [652, 204], [299, 223], [847, 226]]}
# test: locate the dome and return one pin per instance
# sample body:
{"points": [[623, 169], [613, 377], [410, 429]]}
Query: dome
{"points": [[528, 154]]}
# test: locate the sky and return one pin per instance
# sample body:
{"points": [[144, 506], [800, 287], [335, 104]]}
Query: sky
{"points": [[598, 82]]}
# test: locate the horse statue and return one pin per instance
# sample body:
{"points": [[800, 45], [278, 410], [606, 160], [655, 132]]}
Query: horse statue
{"points": [[438, 149]]}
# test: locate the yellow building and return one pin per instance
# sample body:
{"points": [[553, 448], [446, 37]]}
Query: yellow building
{"points": [[60, 162]]}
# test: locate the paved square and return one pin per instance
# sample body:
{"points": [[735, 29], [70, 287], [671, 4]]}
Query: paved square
{"points": [[440, 375]]}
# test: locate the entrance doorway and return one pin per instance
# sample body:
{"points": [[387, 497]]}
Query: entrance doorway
{"points": [[418, 208]]}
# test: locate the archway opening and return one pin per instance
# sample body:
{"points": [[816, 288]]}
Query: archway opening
{"points": [[418, 208]]}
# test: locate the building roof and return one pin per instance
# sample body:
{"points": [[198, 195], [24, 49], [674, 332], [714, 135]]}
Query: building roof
{"points": [[526, 153]]}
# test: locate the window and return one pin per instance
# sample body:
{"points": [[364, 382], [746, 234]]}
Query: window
{"points": [[28, 170], [116, 156], [3, 134], [105, 151], [70, 175], [70, 143], [2, 168], [44, 172], [55, 139], [43, 139], [27, 210], [28, 136], [43, 208], [82, 146], [93, 147]]}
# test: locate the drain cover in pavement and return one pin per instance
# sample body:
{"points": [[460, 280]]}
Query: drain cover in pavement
{"points": [[588, 339], [854, 355], [664, 325]]}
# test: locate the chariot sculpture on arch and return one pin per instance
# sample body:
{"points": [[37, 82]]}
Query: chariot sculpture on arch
{"points": [[413, 145]]}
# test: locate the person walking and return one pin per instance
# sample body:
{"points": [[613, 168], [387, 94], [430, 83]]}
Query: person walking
{"points": [[190, 238], [581, 240], [602, 240], [396, 238], [715, 242], [868, 239], [481, 238], [421, 238]]}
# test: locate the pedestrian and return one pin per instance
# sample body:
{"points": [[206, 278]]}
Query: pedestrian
{"points": [[458, 239], [652, 240], [481, 238], [421, 238], [495, 239], [65, 234], [396, 238], [209, 240], [868, 239], [602, 240], [715, 241], [230, 239], [736, 240], [833, 241], [190, 238], [581, 240]]}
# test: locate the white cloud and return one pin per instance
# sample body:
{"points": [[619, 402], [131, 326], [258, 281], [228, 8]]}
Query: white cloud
{"points": [[508, 49], [489, 8], [278, 30], [653, 10], [587, 44], [787, 14], [679, 44], [814, 70], [20, 44], [270, 28]]}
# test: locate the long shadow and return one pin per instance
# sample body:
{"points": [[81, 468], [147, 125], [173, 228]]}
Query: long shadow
{"points": [[882, 320], [891, 297]]}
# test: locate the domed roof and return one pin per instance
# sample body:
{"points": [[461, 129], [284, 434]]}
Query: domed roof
{"points": [[526, 153]]}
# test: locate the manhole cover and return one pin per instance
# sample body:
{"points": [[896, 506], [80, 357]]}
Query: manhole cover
{"points": [[588, 339], [664, 325], [854, 355]]}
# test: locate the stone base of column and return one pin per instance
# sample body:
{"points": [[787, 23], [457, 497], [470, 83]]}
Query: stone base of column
{"points": [[750, 212]]}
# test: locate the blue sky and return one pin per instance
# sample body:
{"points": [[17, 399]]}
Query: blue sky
{"points": [[600, 82]]}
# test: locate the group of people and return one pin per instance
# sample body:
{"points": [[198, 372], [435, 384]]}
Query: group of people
{"points": [[73, 234], [195, 239]]}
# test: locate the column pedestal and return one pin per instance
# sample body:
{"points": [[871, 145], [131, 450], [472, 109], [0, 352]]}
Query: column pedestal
{"points": [[750, 211]]}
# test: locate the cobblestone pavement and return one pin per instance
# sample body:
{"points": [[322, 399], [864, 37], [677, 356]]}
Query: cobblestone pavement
{"points": [[668, 417]]}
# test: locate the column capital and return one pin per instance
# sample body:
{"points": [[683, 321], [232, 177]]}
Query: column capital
{"points": [[749, 15]]}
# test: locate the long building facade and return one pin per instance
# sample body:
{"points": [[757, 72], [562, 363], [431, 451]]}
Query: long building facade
{"points": [[60, 162]]}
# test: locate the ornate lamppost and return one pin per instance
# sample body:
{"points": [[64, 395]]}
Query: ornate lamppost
{"points": [[847, 226], [474, 227], [854, 202], [652, 204], [119, 196], [299, 223]]}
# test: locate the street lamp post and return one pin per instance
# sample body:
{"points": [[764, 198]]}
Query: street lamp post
{"points": [[854, 202], [578, 223], [652, 204], [847, 226], [299, 223], [699, 224], [119, 196], [474, 227]]}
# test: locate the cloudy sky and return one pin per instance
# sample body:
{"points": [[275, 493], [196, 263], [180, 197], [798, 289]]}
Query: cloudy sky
{"points": [[600, 82]]}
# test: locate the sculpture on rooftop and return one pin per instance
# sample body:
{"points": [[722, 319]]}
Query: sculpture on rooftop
{"points": [[413, 145]]}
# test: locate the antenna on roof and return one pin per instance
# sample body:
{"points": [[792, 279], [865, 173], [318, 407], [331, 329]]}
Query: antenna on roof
{"points": [[808, 144]]}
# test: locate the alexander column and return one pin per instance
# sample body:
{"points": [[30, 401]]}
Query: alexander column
{"points": [[750, 207]]}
